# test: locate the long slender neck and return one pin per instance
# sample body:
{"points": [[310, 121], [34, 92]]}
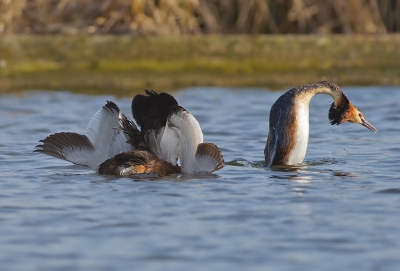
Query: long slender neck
{"points": [[308, 91]]}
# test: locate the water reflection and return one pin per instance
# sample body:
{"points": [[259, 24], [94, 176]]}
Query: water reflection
{"points": [[293, 178], [305, 172]]}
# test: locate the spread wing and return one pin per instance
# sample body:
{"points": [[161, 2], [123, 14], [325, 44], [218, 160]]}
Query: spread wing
{"points": [[100, 142]]}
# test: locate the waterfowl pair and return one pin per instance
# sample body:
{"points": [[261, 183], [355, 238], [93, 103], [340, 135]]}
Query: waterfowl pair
{"points": [[113, 144], [168, 133]]}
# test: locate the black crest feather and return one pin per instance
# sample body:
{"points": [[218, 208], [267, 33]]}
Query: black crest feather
{"points": [[338, 112]]}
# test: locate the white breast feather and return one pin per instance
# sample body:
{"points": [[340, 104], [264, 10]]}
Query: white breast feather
{"points": [[299, 151]]}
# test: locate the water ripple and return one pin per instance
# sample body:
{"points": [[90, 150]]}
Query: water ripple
{"points": [[339, 206]]}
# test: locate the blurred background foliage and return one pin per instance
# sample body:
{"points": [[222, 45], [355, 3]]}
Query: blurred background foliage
{"points": [[171, 44], [181, 17]]}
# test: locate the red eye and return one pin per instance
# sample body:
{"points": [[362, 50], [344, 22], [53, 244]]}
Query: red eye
{"points": [[360, 115]]}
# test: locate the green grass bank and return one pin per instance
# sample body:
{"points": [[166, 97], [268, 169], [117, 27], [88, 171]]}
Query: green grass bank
{"points": [[124, 64]]}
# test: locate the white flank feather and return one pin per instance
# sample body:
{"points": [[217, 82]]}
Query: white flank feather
{"points": [[164, 143], [188, 130], [170, 145]]}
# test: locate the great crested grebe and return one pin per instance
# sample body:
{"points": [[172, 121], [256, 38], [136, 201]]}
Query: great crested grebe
{"points": [[113, 144], [289, 121]]}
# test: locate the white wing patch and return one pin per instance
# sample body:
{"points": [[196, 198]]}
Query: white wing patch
{"points": [[100, 142], [181, 138], [106, 140], [164, 143], [190, 135], [170, 145], [178, 139]]}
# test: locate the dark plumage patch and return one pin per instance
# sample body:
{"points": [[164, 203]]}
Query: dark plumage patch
{"points": [[111, 107], [338, 112], [129, 128], [151, 111]]}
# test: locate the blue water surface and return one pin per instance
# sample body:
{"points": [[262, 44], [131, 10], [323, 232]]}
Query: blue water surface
{"points": [[340, 211]]}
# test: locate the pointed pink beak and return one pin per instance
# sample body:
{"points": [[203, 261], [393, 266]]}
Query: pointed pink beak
{"points": [[368, 125]]}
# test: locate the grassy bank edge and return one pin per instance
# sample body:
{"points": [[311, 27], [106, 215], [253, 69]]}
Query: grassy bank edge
{"points": [[122, 64]]}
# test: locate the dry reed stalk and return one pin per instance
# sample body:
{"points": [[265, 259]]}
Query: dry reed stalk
{"points": [[9, 10], [199, 16]]}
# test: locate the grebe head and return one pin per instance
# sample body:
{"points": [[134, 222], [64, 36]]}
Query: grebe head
{"points": [[355, 116], [344, 111]]}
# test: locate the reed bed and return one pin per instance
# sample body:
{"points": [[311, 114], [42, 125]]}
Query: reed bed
{"points": [[182, 17]]}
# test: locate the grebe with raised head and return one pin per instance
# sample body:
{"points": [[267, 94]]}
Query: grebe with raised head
{"points": [[289, 121], [113, 144]]}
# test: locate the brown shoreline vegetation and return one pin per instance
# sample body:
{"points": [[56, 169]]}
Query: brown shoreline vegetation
{"points": [[125, 46], [179, 17]]}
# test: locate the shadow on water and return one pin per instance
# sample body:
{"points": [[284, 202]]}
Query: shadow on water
{"points": [[240, 162], [299, 172], [156, 177], [389, 191]]}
